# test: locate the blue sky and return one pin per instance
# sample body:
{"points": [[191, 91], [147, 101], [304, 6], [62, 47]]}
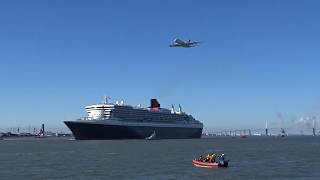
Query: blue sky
{"points": [[257, 59]]}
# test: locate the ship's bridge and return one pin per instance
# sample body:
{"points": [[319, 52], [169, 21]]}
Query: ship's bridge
{"points": [[99, 111]]}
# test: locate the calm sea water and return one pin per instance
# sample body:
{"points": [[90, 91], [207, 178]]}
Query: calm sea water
{"points": [[250, 158]]}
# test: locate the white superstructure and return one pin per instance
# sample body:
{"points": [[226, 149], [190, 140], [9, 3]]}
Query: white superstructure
{"points": [[123, 112]]}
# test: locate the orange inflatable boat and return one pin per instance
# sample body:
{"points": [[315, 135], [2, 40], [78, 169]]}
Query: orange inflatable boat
{"points": [[210, 164]]}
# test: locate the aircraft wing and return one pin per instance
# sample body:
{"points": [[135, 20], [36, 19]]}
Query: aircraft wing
{"points": [[195, 42], [174, 45]]}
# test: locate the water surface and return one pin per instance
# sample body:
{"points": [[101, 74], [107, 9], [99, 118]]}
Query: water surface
{"points": [[295, 157]]}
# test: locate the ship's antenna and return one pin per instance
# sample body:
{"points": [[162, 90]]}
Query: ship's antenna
{"points": [[172, 109], [106, 99], [267, 128], [180, 109], [314, 127]]}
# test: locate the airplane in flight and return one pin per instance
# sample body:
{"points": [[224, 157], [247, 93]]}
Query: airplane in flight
{"points": [[185, 44]]}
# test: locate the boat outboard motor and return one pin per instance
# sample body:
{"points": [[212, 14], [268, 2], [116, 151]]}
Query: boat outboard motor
{"points": [[223, 163]]}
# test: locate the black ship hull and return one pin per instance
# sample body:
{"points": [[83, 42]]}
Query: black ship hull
{"points": [[93, 131]]}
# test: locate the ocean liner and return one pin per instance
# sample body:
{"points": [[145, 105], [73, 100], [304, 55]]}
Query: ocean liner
{"points": [[119, 121]]}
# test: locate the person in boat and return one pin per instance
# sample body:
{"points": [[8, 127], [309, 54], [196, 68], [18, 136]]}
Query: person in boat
{"points": [[210, 158], [221, 159], [200, 158], [213, 158], [207, 158]]}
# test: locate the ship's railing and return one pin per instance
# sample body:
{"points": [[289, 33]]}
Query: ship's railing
{"points": [[90, 118]]}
